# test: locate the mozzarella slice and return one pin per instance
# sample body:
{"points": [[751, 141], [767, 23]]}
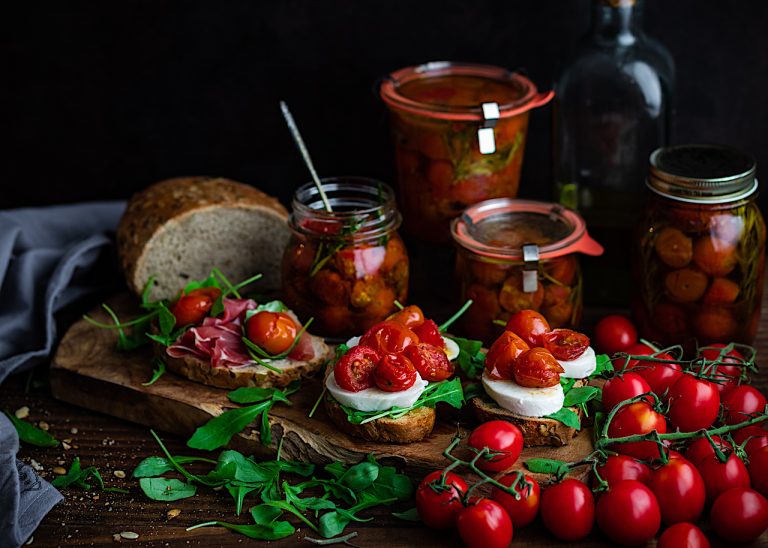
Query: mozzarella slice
{"points": [[581, 367], [528, 402], [451, 348], [376, 399]]}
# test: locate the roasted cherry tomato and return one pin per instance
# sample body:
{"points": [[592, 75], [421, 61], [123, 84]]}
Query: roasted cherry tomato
{"points": [[485, 524], [683, 535], [440, 504], [521, 511], [191, 308], [621, 467], [568, 509], [637, 418], [565, 344], [624, 387], [628, 513], [354, 370], [537, 368], [721, 476], [693, 403], [758, 437], [389, 337], [739, 515], [660, 376], [430, 361], [701, 449], [394, 373], [428, 332], [500, 437], [529, 325], [273, 332], [680, 490], [410, 316], [740, 402], [501, 357], [614, 333]]}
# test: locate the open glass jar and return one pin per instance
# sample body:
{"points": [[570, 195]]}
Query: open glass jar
{"points": [[345, 268], [700, 255], [459, 133], [519, 254]]}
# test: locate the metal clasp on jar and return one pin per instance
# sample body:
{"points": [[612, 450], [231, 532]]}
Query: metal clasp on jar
{"points": [[485, 137], [530, 268]]}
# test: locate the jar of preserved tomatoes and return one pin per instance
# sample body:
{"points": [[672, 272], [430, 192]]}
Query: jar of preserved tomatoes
{"points": [[515, 255], [459, 133], [346, 267], [700, 248]]}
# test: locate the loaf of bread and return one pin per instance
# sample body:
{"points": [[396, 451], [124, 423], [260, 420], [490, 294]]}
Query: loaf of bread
{"points": [[179, 229]]}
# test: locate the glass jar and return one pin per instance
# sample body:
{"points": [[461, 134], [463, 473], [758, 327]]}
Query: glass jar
{"points": [[700, 248], [345, 268], [459, 133], [519, 254]]}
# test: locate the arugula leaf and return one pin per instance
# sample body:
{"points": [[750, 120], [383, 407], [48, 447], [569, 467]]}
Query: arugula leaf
{"points": [[567, 384], [471, 359], [157, 466], [582, 394], [28, 433], [567, 416], [271, 306], [545, 466], [604, 365], [238, 492], [253, 394], [157, 373], [360, 476], [233, 465], [166, 489], [412, 514], [272, 531], [79, 477]]}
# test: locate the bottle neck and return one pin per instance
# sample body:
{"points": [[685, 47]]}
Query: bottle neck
{"points": [[616, 22]]}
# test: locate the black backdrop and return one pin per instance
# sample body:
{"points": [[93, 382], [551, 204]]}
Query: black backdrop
{"points": [[99, 99]]}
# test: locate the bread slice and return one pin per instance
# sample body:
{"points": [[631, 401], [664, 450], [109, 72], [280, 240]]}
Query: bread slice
{"points": [[414, 426], [180, 229], [199, 370]]}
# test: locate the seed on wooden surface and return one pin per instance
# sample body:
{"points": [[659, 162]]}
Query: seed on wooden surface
{"points": [[172, 513], [22, 412], [59, 470], [117, 538], [95, 497], [66, 446], [42, 425], [129, 535], [30, 541], [119, 474], [73, 430], [36, 465]]}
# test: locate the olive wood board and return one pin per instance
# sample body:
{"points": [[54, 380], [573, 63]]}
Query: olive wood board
{"points": [[88, 370]]}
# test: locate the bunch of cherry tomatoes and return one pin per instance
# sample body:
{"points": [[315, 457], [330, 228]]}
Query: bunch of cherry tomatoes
{"points": [[703, 464]]}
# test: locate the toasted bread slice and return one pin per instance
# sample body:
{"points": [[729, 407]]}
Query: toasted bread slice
{"points": [[414, 426]]}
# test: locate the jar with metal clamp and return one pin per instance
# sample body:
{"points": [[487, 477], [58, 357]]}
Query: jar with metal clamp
{"points": [[519, 254]]}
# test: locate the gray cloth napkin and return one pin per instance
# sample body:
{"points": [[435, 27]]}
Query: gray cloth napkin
{"points": [[49, 258]]}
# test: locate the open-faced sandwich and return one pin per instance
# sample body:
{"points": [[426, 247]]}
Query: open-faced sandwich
{"points": [[385, 384], [536, 378]]}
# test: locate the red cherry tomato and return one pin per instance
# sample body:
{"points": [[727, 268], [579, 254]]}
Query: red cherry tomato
{"points": [[721, 476], [740, 401], [565, 344], [680, 490], [529, 325], [758, 470], [521, 511], [389, 337], [727, 376], [485, 524], [628, 513], [660, 376], [701, 449], [758, 437], [501, 357], [394, 373], [637, 418], [621, 467], [273, 332], [439, 505], [410, 316], [683, 535], [191, 308], [354, 371], [739, 515], [430, 361], [568, 509], [498, 436], [624, 387], [693, 403], [428, 332], [537, 368], [614, 333]]}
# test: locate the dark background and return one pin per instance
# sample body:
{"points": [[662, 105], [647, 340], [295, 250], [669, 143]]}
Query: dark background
{"points": [[99, 99]]}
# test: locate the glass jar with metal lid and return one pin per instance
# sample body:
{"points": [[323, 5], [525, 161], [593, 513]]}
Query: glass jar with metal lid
{"points": [[519, 254], [699, 267]]}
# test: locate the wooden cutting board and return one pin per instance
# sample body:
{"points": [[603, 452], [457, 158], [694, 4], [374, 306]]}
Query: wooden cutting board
{"points": [[88, 371]]}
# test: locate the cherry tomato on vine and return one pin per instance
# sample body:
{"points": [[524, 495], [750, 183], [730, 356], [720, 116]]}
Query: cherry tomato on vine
{"points": [[637, 418], [727, 376], [410, 316], [354, 371], [428, 332], [618, 468], [614, 333], [273, 332], [192, 307], [739, 515], [628, 513], [529, 325], [660, 376], [701, 449], [758, 470], [394, 373], [430, 361], [537, 368], [758, 437], [741, 401], [568, 509], [439, 505], [683, 535], [498, 436], [524, 510], [485, 524], [721, 476], [693, 403], [623, 387], [389, 337], [680, 490], [501, 357], [565, 344]]}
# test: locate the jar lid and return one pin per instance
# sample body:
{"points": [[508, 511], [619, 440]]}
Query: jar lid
{"points": [[456, 91], [499, 229], [702, 173]]}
